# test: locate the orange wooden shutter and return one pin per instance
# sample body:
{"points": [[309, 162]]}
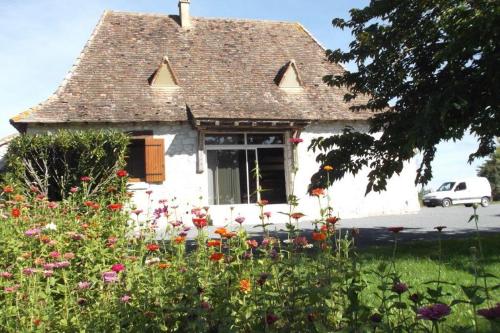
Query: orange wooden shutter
{"points": [[155, 160]]}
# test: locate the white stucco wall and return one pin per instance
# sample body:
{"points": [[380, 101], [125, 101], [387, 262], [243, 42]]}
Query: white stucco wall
{"points": [[186, 188]]}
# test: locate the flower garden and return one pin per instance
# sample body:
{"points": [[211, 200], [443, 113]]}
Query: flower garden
{"points": [[92, 264]]}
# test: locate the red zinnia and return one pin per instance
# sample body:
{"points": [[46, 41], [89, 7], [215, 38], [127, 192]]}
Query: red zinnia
{"points": [[262, 202], [16, 212], [153, 247], [115, 207], [8, 189], [395, 229], [318, 236], [122, 173], [332, 219], [297, 216], [213, 243], [85, 178], [200, 222], [216, 256], [118, 268]]}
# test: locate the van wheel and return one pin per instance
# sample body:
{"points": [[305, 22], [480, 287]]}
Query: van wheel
{"points": [[446, 203], [485, 201]]}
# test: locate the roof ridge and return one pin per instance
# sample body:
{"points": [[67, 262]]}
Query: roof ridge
{"points": [[206, 18], [68, 76]]}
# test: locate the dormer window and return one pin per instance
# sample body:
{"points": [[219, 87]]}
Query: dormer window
{"points": [[288, 78], [164, 77]]}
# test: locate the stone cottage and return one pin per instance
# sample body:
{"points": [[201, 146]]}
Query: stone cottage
{"points": [[206, 101]]}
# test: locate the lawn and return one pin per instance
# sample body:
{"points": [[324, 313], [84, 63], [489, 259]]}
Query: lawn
{"points": [[417, 262]]}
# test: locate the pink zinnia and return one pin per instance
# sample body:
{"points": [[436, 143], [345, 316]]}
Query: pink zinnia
{"points": [[252, 243], [118, 268], [48, 273], [12, 289], [295, 140], [6, 275], [74, 189], [49, 266], [110, 277], [434, 312], [62, 264], [137, 211], [83, 285], [240, 219], [69, 256], [85, 178], [52, 204], [125, 299], [490, 313], [33, 232], [28, 271], [54, 254]]}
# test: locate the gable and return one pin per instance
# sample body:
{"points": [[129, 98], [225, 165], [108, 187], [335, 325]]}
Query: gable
{"points": [[164, 77], [289, 77]]}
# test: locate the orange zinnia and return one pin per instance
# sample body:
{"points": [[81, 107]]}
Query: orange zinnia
{"points": [[328, 168], [179, 239], [245, 286], [221, 231], [317, 192], [216, 256], [163, 265], [318, 236]]}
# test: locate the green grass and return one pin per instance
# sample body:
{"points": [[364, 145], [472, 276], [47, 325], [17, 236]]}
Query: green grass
{"points": [[418, 263]]}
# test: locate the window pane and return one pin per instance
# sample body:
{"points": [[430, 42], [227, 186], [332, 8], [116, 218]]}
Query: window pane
{"points": [[265, 139], [272, 172], [136, 159], [224, 139], [227, 177]]}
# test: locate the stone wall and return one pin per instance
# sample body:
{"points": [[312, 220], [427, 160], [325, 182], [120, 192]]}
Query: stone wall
{"points": [[185, 187]]}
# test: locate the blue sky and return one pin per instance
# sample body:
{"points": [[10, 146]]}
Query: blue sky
{"points": [[40, 40]]}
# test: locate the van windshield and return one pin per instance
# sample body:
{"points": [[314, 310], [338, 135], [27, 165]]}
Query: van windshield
{"points": [[446, 187]]}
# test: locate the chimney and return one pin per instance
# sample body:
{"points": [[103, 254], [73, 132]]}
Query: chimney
{"points": [[184, 13]]}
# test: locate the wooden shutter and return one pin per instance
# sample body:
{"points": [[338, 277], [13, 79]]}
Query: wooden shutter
{"points": [[155, 160]]}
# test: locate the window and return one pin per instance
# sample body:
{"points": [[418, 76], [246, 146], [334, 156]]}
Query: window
{"points": [[233, 160], [461, 187], [146, 159]]}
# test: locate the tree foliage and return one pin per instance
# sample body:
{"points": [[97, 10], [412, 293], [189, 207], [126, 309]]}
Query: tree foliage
{"points": [[428, 70], [491, 170]]}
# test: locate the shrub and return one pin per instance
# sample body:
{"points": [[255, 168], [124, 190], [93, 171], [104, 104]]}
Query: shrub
{"points": [[56, 162]]}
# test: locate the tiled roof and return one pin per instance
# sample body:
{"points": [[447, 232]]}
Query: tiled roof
{"points": [[226, 69]]}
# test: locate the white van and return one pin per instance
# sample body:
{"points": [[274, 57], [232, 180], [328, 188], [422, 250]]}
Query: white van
{"points": [[462, 191]]}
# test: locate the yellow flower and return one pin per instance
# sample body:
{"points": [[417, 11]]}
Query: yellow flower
{"points": [[328, 168]]}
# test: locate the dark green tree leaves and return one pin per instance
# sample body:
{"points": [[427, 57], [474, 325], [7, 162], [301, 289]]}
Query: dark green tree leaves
{"points": [[428, 70]]}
